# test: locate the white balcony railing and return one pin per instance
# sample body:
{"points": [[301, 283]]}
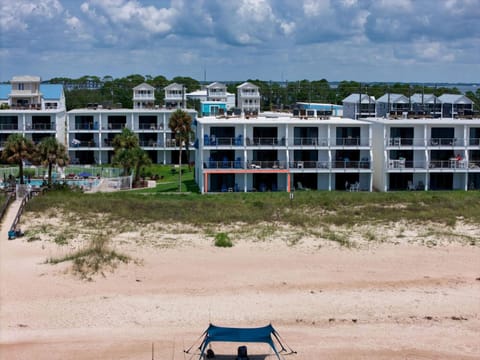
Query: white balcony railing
{"points": [[27, 92], [143, 97]]}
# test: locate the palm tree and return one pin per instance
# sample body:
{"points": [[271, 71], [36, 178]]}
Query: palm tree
{"points": [[142, 159], [50, 153], [17, 149], [126, 140], [123, 146], [181, 125]]}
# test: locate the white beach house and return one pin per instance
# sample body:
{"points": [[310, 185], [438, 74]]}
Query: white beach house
{"points": [[32, 109]]}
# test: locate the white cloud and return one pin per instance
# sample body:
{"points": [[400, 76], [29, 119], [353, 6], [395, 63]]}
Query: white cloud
{"points": [[313, 8], [73, 22], [255, 10], [433, 51], [288, 27], [242, 35], [16, 14], [132, 14]]}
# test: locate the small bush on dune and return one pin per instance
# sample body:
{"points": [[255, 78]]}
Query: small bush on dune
{"points": [[93, 259], [223, 240]]}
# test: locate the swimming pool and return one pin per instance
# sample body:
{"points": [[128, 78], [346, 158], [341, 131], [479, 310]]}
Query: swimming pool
{"points": [[72, 182]]}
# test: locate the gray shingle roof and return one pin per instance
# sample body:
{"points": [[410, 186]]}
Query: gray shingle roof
{"points": [[355, 97], [454, 99], [393, 99]]}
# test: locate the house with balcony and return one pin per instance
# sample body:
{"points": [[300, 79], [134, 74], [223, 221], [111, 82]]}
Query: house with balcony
{"points": [[426, 154], [201, 95], [143, 96], [214, 99], [216, 91], [175, 96], [248, 98], [456, 106], [280, 152], [392, 105], [358, 106], [32, 109]]}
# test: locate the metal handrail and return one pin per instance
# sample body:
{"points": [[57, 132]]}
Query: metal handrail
{"points": [[9, 199]]}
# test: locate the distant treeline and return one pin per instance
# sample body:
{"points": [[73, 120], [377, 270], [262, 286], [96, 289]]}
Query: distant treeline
{"points": [[275, 95]]}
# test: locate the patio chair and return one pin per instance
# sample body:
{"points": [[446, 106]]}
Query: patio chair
{"points": [[355, 187], [300, 187], [411, 186]]}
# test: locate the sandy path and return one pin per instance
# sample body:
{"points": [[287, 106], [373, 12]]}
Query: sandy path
{"points": [[388, 302]]}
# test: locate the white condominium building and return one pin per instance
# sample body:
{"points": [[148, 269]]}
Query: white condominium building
{"points": [[281, 152], [91, 132], [426, 154]]}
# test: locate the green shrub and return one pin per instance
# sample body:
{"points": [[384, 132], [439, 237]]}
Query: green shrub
{"points": [[61, 239], [223, 240]]}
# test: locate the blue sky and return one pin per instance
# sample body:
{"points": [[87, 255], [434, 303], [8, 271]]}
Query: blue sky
{"points": [[362, 40]]}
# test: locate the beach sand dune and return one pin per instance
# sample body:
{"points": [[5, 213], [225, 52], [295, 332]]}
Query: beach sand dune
{"points": [[388, 301]]}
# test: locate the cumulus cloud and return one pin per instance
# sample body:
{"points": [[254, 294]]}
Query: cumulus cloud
{"points": [[18, 14], [133, 14], [245, 31]]}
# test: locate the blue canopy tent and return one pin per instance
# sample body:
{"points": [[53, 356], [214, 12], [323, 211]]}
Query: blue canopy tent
{"points": [[265, 334]]}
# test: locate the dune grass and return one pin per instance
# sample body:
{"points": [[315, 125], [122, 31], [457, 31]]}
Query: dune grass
{"points": [[307, 209], [94, 259]]}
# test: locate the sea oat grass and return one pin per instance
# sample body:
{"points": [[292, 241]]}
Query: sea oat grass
{"points": [[307, 209], [94, 259]]}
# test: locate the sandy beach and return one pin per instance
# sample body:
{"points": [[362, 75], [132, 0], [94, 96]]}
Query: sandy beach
{"points": [[392, 300]]}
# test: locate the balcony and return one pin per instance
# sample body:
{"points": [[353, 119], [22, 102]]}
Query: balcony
{"points": [[309, 141], [83, 143], [322, 165], [174, 97], [239, 164], [41, 127], [352, 141], [474, 141], [399, 141], [115, 126], [151, 143], [217, 93], [143, 97], [86, 126], [9, 126], [223, 141], [452, 163], [445, 142], [250, 94], [150, 126], [406, 142], [24, 93], [265, 141], [26, 107], [363, 163]]}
